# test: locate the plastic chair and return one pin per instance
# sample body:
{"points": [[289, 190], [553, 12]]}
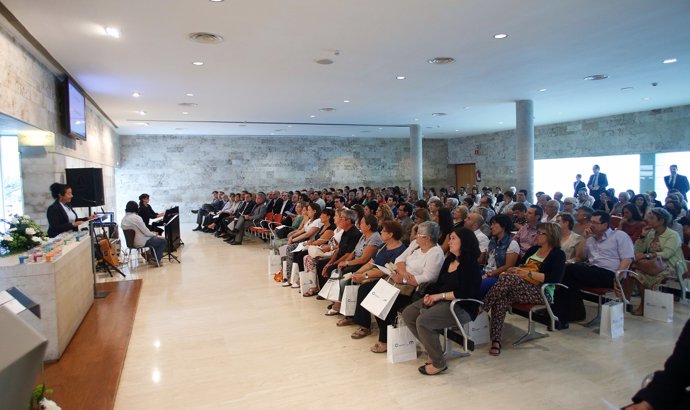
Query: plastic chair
{"points": [[129, 241]]}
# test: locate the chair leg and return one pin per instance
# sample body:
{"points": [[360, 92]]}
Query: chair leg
{"points": [[597, 318], [683, 289], [448, 352], [153, 251], [531, 332]]}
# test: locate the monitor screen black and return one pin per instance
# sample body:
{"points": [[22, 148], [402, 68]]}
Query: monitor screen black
{"points": [[74, 111]]}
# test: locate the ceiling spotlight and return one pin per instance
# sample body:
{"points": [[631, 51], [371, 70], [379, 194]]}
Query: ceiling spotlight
{"points": [[136, 94], [324, 61], [380, 128], [198, 63], [541, 90], [670, 61], [457, 130], [187, 104], [466, 108], [441, 60], [645, 99], [596, 77], [189, 95], [141, 112], [500, 123], [500, 36], [312, 116], [416, 119], [205, 38], [112, 32], [438, 114], [184, 113], [346, 101], [327, 109], [289, 126], [400, 77]]}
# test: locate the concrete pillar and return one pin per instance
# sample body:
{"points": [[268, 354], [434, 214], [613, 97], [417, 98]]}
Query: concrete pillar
{"points": [[416, 162], [524, 130]]}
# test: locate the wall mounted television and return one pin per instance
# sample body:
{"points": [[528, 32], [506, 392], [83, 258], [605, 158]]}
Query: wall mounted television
{"points": [[73, 110]]}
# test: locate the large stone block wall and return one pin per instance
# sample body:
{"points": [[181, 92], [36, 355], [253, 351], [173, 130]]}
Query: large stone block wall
{"points": [[29, 92], [186, 168], [663, 130]]}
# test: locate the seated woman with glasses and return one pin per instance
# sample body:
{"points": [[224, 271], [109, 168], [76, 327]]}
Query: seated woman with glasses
{"points": [[542, 263]]}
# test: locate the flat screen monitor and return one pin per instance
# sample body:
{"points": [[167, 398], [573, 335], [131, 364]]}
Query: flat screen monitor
{"points": [[74, 111]]}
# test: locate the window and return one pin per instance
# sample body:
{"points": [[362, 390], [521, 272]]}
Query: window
{"points": [[11, 200]]}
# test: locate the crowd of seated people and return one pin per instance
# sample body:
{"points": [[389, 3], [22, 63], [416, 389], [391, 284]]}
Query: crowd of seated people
{"points": [[470, 242]]}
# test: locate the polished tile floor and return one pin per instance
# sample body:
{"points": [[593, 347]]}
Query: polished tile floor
{"points": [[215, 332]]}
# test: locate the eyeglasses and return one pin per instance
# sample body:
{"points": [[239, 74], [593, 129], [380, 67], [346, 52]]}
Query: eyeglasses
{"points": [[541, 233]]}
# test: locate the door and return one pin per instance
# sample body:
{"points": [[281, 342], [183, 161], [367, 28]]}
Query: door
{"points": [[465, 174]]}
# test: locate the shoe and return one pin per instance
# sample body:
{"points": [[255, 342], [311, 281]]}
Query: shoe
{"points": [[295, 286], [198, 228], [329, 307], [219, 235], [346, 321], [361, 333], [152, 263], [234, 242], [379, 348], [310, 293], [332, 312], [422, 370], [286, 284], [319, 297], [207, 230], [495, 349], [195, 211], [229, 239]]}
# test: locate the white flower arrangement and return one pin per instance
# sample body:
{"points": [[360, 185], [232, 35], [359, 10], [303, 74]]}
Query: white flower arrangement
{"points": [[22, 235]]}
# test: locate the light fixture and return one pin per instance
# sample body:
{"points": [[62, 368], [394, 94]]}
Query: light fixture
{"points": [[184, 113], [670, 61], [400, 77], [438, 114], [541, 90], [457, 130], [324, 61], [198, 63], [416, 119], [141, 112], [596, 77], [205, 38], [327, 109], [346, 101], [500, 36], [189, 95], [441, 60], [187, 104], [289, 126], [645, 98], [136, 94], [112, 32], [627, 89], [380, 128], [312, 116], [466, 108], [145, 124], [216, 1], [500, 123]]}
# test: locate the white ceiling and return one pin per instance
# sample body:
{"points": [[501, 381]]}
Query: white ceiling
{"points": [[265, 70]]}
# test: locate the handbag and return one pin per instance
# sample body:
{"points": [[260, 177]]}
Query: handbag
{"points": [[380, 299], [274, 264], [401, 343], [658, 305], [651, 266], [612, 319], [478, 329], [348, 303]]}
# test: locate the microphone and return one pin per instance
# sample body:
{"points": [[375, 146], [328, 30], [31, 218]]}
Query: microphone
{"points": [[87, 200]]}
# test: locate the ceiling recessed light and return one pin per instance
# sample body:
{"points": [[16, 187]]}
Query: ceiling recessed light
{"points": [[645, 98], [312, 116], [627, 88], [184, 113], [205, 38], [500, 36], [500, 123], [457, 130], [327, 109], [198, 63], [141, 112], [438, 114], [216, 1], [189, 95], [145, 124], [596, 77], [289, 126], [112, 32], [466, 108], [346, 101], [400, 77], [324, 61], [380, 128], [541, 90], [187, 104], [441, 60], [136, 94], [416, 119], [670, 61]]}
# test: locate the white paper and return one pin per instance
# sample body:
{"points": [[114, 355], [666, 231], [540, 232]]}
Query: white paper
{"points": [[5, 297], [299, 248], [384, 269]]}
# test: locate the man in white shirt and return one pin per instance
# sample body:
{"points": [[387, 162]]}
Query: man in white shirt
{"points": [[473, 222], [142, 236], [550, 211]]}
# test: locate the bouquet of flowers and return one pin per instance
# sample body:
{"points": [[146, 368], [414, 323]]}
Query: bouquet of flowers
{"points": [[22, 235]]}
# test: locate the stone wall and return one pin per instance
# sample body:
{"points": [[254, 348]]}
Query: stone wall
{"points": [[663, 130], [187, 168], [30, 94]]}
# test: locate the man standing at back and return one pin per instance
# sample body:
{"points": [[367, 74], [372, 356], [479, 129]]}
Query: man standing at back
{"points": [[597, 182], [677, 181], [605, 251]]}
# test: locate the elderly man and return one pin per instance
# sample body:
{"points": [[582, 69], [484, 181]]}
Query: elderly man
{"points": [[504, 206], [569, 205], [474, 221], [526, 237], [605, 251], [257, 215], [550, 211], [583, 199]]}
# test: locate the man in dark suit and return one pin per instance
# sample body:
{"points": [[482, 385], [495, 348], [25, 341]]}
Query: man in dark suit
{"points": [[578, 184], [677, 181], [597, 182], [257, 214]]}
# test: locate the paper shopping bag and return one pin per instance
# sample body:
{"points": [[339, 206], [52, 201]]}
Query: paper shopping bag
{"points": [[380, 299], [658, 305], [307, 281], [478, 329], [331, 290], [401, 346], [612, 319], [348, 303], [274, 264]]}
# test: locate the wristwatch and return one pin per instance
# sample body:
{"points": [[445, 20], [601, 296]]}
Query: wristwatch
{"points": [[404, 281], [347, 263], [366, 275], [529, 274]]}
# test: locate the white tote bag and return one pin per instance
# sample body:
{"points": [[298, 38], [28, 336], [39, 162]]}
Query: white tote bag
{"points": [[348, 304], [612, 319], [401, 343], [658, 305], [307, 281], [478, 329], [381, 298], [331, 290], [274, 264]]}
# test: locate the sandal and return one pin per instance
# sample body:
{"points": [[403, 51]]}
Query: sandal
{"points": [[379, 348], [311, 292], [332, 312], [346, 321], [360, 333], [495, 348], [639, 311]]}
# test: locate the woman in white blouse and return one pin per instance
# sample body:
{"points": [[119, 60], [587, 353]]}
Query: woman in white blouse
{"points": [[569, 239]]}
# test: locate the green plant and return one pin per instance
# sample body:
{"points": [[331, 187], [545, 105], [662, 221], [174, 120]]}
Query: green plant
{"points": [[22, 235], [40, 392]]}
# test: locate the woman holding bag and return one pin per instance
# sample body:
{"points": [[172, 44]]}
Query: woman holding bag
{"points": [[657, 253], [543, 263], [460, 277]]}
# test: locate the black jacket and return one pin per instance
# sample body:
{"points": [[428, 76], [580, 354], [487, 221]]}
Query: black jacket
{"points": [[553, 266], [58, 221]]}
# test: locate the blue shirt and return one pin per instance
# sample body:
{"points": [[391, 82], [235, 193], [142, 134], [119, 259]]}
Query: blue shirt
{"points": [[608, 252]]}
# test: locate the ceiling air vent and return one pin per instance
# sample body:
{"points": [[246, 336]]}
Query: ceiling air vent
{"points": [[206, 38]]}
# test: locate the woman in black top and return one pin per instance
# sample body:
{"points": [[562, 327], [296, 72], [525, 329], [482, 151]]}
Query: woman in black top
{"points": [[544, 263], [61, 216], [460, 277], [147, 213]]}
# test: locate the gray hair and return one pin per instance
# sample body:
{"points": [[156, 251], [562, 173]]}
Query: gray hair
{"points": [[663, 214], [349, 214], [429, 229], [262, 195], [453, 201]]}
